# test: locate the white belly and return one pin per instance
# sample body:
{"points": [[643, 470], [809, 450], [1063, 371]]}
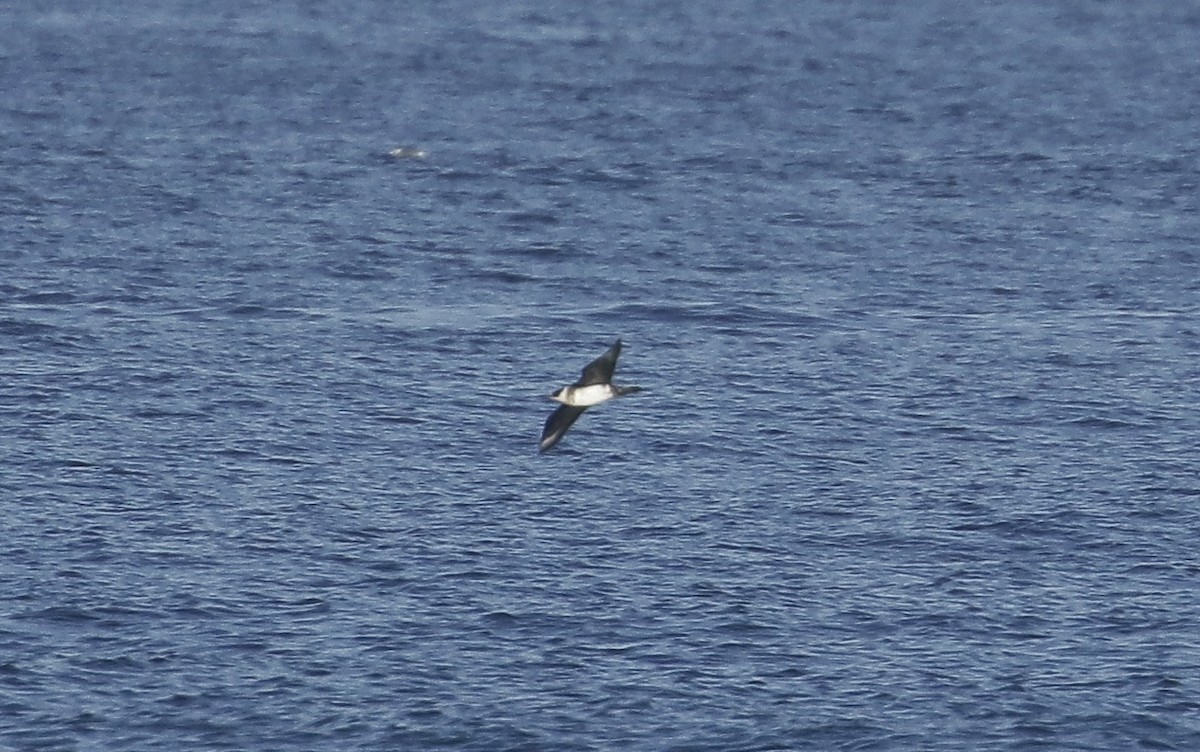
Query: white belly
{"points": [[586, 396]]}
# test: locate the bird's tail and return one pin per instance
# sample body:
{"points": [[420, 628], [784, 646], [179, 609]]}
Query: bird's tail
{"points": [[623, 390]]}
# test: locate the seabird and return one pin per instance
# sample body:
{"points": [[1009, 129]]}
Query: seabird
{"points": [[594, 387]]}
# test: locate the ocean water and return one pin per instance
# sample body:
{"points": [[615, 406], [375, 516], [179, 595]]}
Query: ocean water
{"points": [[913, 290]]}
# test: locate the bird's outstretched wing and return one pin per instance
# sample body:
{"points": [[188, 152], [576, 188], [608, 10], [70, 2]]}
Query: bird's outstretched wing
{"points": [[557, 424], [600, 370]]}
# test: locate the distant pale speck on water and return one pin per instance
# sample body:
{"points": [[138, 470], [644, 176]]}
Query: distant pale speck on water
{"points": [[914, 297], [408, 152]]}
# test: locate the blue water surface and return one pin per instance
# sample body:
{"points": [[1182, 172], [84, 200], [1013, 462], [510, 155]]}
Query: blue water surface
{"points": [[913, 289]]}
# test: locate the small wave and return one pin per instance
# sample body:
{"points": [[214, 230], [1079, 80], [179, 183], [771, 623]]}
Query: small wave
{"points": [[259, 311], [716, 314], [59, 615], [1094, 421], [25, 328], [505, 276], [521, 220], [49, 298]]}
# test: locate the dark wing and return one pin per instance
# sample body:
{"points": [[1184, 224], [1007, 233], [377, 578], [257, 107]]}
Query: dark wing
{"points": [[600, 370], [557, 424]]}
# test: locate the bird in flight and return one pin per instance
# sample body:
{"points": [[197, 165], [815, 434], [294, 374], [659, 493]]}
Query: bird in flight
{"points": [[594, 386]]}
